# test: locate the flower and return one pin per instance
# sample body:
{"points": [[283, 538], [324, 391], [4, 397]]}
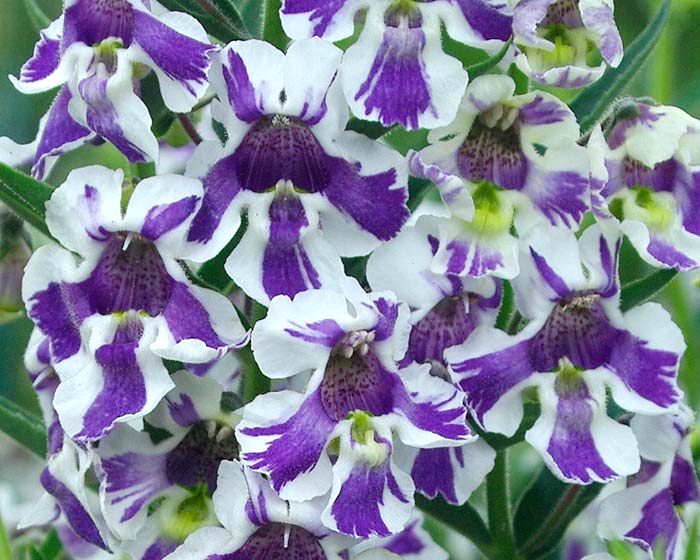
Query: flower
{"points": [[576, 344], [566, 43], [311, 190], [645, 513], [397, 72], [257, 522], [101, 50], [505, 160], [156, 494], [355, 401], [113, 316], [645, 180]]}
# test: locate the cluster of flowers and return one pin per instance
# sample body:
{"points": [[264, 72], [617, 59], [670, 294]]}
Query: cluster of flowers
{"points": [[380, 391]]}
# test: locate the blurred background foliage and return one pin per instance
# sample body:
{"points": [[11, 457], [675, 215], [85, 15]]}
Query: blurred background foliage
{"points": [[671, 76]]}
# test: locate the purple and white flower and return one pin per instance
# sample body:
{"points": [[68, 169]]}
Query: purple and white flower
{"points": [[397, 72], [63, 478], [505, 160], [576, 345], [311, 190], [645, 179], [566, 43], [115, 313], [257, 523], [445, 310], [156, 494], [101, 51], [646, 512], [340, 434]]}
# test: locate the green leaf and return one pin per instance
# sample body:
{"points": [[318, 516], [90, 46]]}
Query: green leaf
{"points": [[476, 70], [52, 546], [22, 426], [594, 101], [272, 31], [639, 291], [219, 17], [505, 313], [25, 196], [371, 129], [546, 509], [252, 14], [161, 116], [37, 17], [464, 519], [417, 191], [213, 273], [5, 551]]}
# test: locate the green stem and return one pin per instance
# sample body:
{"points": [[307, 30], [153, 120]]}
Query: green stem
{"points": [[498, 499], [5, 552]]}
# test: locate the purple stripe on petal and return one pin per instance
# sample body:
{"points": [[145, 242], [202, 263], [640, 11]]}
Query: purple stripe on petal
{"points": [[179, 57], [326, 332], [241, 93], [102, 116], [659, 524], [159, 549], [433, 474], [548, 275], [44, 61], [133, 478], [541, 111], [648, 372], [669, 256], [445, 417], [684, 481], [79, 519], [165, 217], [369, 200], [386, 322], [608, 262], [298, 446], [407, 542], [187, 318], [183, 412], [321, 12], [287, 268], [572, 446], [220, 188], [486, 379], [124, 388], [59, 312], [490, 20], [60, 132], [357, 508], [472, 258], [397, 84]]}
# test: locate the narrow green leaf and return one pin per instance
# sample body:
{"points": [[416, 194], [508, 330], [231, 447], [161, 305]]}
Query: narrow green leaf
{"points": [[161, 116], [212, 272], [499, 506], [52, 547], [545, 511], [464, 519], [38, 18], [505, 313], [22, 426], [272, 31], [370, 129], [252, 13], [417, 190], [25, 196], [5, 551], [639, 291], [219, 17], [594, 101], [476, 70], [254, 381]]}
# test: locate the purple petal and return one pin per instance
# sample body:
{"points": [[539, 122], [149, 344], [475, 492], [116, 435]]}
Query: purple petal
{"points": [[684, 481], [164, 218], [321, 12], [45, 60], [490, 20], [433, 472], [91, 23], [326, 332], [241, 93], [187, 318], [659, 524]]}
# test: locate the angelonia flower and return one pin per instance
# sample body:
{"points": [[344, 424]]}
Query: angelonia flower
{"points": [[397, 72], [648, 512], [645, 174], [506, 160], [341, 434], [112, 316], [576, 345], [100, 51], [566, 43], [311, 191]]}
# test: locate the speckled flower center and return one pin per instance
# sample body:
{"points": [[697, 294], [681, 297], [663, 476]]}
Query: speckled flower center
{"points": [[492, 150], [196, 458], [129, 277], [93, 21], [563, 12], [278, 541], [354, 378], [578, 330], [281, 148]]}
